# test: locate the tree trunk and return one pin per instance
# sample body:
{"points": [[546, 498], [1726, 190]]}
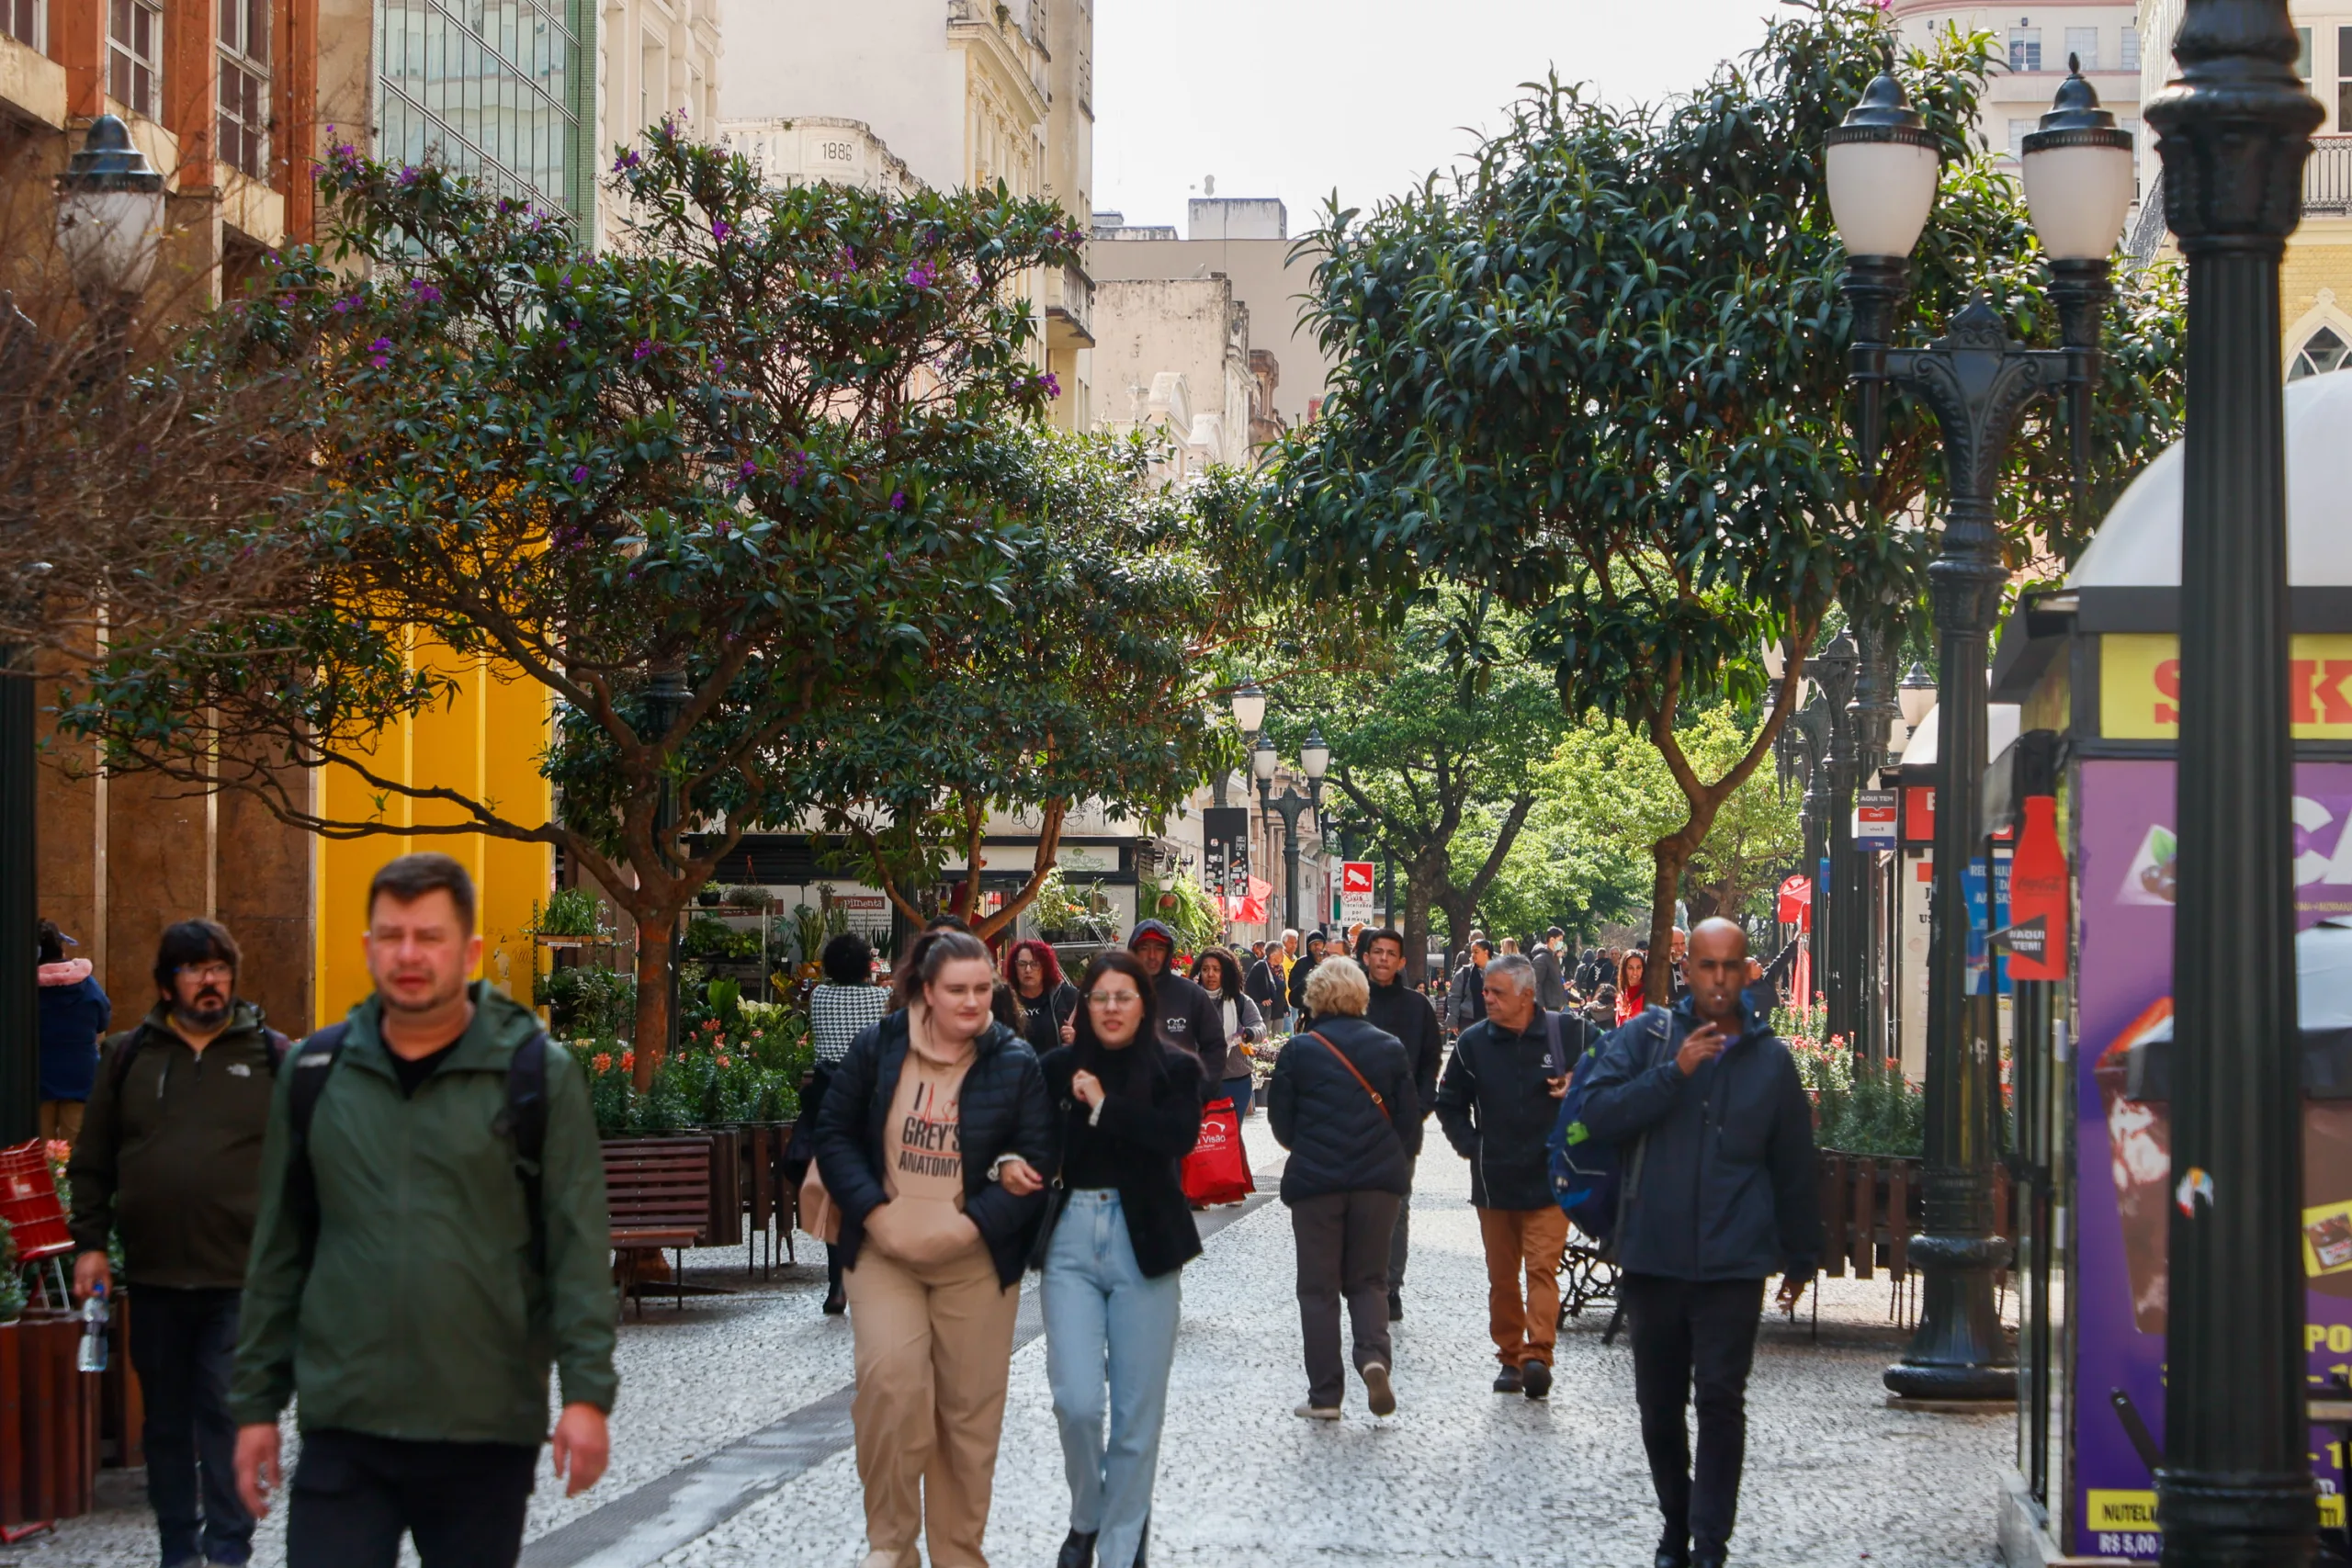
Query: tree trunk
{"points": [[654, 936], [1668, 855], [1417, 928]]}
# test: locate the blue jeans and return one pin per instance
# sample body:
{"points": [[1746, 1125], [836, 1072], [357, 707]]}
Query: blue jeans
{"points": [[1238, 1090], [1109, 1339]]}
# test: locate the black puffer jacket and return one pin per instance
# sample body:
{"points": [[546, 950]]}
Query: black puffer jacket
{"points": [[1397, 1008], [1338, 1140], [1003, 1111], [1496, 1107]]}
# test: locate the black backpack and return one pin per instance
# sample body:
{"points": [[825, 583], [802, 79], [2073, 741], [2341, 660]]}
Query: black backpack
{"points": [[524, 1119]]}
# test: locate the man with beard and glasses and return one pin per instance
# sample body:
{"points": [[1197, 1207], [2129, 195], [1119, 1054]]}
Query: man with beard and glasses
{"points": [[432, 1238], [170, 1154]]}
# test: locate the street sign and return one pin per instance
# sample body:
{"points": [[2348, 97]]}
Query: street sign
{"points": [[1355, 891], [1875, 819]]}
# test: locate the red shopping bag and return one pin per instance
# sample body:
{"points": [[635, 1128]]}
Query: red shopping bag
{"points": [[1217, 1170]]}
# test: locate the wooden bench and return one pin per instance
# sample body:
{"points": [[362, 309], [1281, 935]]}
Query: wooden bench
{"points": [[659, 1192]]}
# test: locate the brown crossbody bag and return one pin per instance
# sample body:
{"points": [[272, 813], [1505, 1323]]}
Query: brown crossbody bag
{"points": [[1382, 1105]]}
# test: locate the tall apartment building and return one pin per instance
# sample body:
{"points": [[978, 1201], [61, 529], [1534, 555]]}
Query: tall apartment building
{"points": [[958, 92], [2034, 43], [2315, 280]]}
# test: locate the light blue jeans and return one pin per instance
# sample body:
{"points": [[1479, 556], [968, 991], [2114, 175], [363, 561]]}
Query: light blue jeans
{"points": [[1110, 1338]]}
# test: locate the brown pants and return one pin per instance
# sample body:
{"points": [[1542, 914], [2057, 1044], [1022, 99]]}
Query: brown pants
{"points": [[934, 1352], [1529, 1241], [61, 1119]]}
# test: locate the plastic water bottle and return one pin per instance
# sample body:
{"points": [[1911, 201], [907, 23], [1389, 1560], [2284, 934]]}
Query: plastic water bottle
{"points": [[92, 1356]]}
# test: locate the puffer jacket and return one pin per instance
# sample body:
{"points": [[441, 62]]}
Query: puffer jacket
{"points": [[1496, 1105], [1003, 1111], [1726, 1187], [1338, 1140]]}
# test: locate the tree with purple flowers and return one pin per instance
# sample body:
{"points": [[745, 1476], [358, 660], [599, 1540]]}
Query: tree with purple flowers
{"points": [[702, 490]]}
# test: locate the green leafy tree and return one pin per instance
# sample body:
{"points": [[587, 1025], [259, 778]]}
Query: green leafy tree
{"points": [[1601, 372], [757, 451], [1431, 736]]}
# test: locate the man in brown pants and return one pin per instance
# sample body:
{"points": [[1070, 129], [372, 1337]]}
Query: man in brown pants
{"points": [[1497, 1102]]}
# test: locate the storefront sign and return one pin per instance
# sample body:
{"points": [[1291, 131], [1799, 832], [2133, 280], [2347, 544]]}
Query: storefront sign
{"points": [[1103, 858], [2127, 886], [1874, 825], [1919, 815], [2139, 686]]}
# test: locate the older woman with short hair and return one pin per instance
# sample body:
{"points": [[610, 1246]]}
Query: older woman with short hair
{"points": [[1343, 1102]]}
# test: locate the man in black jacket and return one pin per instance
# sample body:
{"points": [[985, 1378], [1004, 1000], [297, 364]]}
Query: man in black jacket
{"points": [[1398, 1010], [1497, 1102], [170, 1154], [1721, 1195], [1468, 995], [1300, 969], [1551, 987], [1190, 1019]]}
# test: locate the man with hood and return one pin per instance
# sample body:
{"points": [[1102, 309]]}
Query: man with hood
{"points": [[170, 1154], [1315, 943], [74, 1012], [1190, 1019], [1715, 1140]]}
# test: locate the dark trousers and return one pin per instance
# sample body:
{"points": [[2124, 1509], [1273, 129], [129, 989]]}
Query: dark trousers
{"points": [[1343, 1239], [1686, 1332], [354, 1496], [182, 1343], [1401, 1241]]}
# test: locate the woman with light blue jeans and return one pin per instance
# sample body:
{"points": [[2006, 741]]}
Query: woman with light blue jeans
{"points": [[1120, 1234]]}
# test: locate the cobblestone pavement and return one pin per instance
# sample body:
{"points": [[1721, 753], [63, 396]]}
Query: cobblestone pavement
{"points": [[1459, 1474]]}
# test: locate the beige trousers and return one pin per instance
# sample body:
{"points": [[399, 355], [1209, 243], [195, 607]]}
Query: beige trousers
{"points": [[934, 1352]]}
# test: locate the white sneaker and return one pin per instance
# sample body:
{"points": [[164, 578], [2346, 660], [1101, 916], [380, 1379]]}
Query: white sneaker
{"points": [[1375, 1385], [1318, 1411]]}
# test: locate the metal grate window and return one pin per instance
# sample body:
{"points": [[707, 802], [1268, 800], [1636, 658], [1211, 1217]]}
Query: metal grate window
{"points": [[244, 117], [21, 19], [482, 87], [2025, 49], [135, 55]]}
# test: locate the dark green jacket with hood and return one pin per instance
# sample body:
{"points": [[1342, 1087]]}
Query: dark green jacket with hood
{"points": [[413, 1312]]}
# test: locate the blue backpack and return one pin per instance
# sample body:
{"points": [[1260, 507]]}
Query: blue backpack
{"points": [[1589, 1179]]}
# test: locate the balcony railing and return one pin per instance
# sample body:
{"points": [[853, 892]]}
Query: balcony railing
{"points": [[1070, 299], [2327, 193]]}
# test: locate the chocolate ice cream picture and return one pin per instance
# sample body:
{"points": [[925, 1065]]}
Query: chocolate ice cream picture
{"points": [[2139, 1142]]}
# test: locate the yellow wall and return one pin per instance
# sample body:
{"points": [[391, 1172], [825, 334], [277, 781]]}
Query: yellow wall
{"points": [[485, 743]]}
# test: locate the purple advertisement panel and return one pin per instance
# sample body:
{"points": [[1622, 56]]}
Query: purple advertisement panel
{"points": [[2125, 882]]}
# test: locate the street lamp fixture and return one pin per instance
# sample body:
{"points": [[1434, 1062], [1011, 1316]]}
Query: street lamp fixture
{"points": [[1262, 761], [1249, 707], [1916, 695], [1314, 758], [109, 216], [1883, 165]]}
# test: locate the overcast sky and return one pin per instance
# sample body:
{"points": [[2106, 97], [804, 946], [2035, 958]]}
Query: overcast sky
{"points": [[1294, 97]]}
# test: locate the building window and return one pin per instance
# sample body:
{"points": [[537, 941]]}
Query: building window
{"points": [[2128, 55], [244, 119], [2343, 77], [2019, 131], [2304, 53], [2082, 43], [20, 19], [2025, 49], [2321, 352], [485, 90], [135, 55]]}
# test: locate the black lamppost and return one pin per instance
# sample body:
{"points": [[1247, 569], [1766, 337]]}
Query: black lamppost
{"points": [[1314, 757], [1871, 719], [109, 223], [1838, 924], [1881, 167], [665, 698], [2236, 1486]]}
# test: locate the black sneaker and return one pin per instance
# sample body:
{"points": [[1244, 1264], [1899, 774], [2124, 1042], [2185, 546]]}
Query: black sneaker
{"points": [[1396, 1306], [1077, 1550], [1507, 1381], [1535, 1377], [1673, 1549]]}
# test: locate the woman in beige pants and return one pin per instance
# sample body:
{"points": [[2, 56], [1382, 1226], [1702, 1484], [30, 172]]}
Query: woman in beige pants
{"points": [[929, 1143]]}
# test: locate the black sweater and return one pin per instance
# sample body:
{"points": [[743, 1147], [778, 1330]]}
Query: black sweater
{"points": [[1139, 1142], [1003, 1111], [1496, 1108], [1397, 1008], [1338, 1140]]}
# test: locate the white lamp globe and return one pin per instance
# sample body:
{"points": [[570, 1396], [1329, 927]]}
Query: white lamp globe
{"points": [[1249, 707], [2079, 177], [1882, 163], [110, 212], [1315, 756]]}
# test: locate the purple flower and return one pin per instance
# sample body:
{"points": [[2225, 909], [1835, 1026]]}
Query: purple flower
{"points": [[579, 474], [750, 467], [410, 174], [344, 306], [897, 501], [642, 352], [721, 229], [424, 292], [922, 275], [1052, 388], [718, 366], [627, 161], [286, 301], [379, 352]]}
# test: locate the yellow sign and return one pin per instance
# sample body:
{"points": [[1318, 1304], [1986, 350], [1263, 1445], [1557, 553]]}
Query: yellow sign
{"points": [[2120, 1511], [2139, 686], [2327, 1240]]}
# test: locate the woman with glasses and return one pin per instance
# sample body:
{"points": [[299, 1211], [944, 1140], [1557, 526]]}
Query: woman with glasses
{"points": [[1120, 1233], [1049, 1001]]}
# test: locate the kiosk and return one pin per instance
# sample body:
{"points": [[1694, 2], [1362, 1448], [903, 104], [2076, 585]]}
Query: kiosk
{"points": [[2096, 668]]}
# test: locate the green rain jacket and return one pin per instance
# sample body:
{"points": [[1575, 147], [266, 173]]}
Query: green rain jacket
{"points": [[414, 1313]]}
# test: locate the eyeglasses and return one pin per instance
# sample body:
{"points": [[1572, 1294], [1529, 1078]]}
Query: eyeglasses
{"points": [[206, 971], [1115, 998]]}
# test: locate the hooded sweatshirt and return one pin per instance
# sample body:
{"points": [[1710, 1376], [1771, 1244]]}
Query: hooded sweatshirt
{"points": [[73, 1013]]}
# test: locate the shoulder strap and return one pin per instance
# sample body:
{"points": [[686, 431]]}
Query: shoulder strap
{"points": [[312, 1065], [1378, 1103], [1556, 1059], [525, 1121], [275, 1045], [119, 1064]]}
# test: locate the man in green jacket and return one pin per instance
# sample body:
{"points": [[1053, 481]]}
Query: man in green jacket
{"points": [[394, 1286]]}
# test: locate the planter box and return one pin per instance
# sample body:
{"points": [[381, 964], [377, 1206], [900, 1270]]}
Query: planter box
{"points": [[1871, 1205], [49, 1422]]}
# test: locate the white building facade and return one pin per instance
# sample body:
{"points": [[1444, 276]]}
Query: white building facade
{"points": [[653, 58], [2033, 43]]}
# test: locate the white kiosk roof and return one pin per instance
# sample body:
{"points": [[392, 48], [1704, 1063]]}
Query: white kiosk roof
{"points": [[2002, 721]]}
